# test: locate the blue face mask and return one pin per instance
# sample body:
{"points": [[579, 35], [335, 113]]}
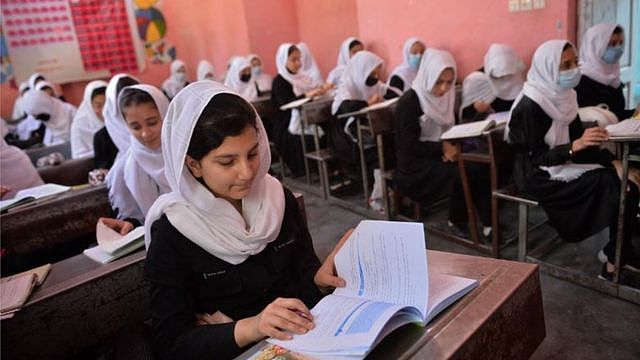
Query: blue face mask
{"points": [[414, 61], [612, 54], [256, 70], [569, 79]]}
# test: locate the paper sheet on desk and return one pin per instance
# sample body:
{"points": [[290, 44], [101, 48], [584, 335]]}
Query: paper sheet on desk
{"points": [[625, 128]]}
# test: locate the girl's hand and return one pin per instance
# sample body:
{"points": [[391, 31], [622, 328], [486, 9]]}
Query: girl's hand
{"points": [[121, 226], [326, 275]]}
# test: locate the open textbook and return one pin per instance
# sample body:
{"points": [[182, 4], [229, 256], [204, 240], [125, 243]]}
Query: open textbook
{"points": [[385, 267], [376, 106], [112, 245], [31, 194], [476, 128], [15, 289]]}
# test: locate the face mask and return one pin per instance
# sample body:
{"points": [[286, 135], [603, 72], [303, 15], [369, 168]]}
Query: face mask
{"points": [[180, 76], [43, 117], [569, 79], [245, 77], [256, 70], [209, 77], [612, 54], [371, 81], [414, 61]]}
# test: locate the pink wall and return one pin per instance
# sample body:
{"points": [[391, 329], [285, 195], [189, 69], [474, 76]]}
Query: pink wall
{"points": [[464, 27], [324, 25]]}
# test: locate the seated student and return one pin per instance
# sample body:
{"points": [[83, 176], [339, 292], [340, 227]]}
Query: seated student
{"points": [[309, 65], [28, 132], [402, 76], [206, 71], [113, 138], [51, 91], [291, 84], [263, 80], [229, 241], [600, 53], [426, 166], [504, 69], [348, 48], [52, 112], [360, 87], [34, 79], [137, 178], [239, 79], [18, 112], [177, 79], [548, 138], [88, 119], [17, 171], [477, 92]]}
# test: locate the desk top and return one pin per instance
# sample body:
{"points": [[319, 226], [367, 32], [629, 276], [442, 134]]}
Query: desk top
{"points": [[489, 322]]}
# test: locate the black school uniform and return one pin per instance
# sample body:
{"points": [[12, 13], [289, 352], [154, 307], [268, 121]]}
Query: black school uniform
{"points": [[578, 208], [592, 93], [104, 150], [185, 280]]}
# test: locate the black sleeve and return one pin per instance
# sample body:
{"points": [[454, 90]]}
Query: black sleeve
{"points": [[104, 150], [397, 83], [592, 154], [468, 114], [348, 106], [282, 92], [407, 131], [36, 138], [175, 333]]}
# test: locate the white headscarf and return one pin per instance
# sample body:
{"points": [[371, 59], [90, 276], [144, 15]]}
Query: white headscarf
{"points": [[18, 112], [335, 75], [438, 111], [594, 44], [504, 68], [211, 222], [44, 83], [140, 172], [247, 89], [263, 80], [476, 87], [32, 80], [353, 85], [16, 170], [116, 126], [172, 85], [404, 71], [58, 126], [541, 86], [204, 68], [86, 123], [309, 65], [301, 83]]}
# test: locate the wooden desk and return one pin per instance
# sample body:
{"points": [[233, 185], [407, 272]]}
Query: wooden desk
{"points": [[70, 172], [501, 319], [38, 152], [54, 221], [80, 304]]}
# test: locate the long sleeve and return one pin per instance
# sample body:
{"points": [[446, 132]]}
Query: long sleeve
{"points": [[592, 93], [397, 83], [282, 92], [104, 150], [407, 132]]}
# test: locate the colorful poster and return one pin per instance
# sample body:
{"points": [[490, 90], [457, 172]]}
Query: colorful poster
{"points": [[152, 28]]}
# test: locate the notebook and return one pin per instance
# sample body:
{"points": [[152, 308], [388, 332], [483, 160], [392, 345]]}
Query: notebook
{"points": [[31, 194], [112, 245], [385, 267]]}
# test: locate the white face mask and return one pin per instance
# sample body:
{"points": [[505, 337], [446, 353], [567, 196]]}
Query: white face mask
{"points": [[180, 76]]}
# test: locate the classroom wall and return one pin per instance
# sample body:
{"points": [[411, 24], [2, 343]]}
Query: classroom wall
{"points": [[218, 29]]}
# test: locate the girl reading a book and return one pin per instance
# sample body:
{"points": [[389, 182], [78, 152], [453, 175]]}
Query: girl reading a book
{"points": [[560, 163], [137, 177], [230, 259], [426, 166]]}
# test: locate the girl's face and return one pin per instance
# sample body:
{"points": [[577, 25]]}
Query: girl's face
{"points": [[616, 39], [293, 62], [97, 103], [417, 48], [444, 82], [145, 123], [569, 59], [229, 170], [355, 49], [256, 62], [49, 91]]}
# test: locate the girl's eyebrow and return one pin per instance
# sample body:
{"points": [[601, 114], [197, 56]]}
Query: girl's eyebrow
{"points": [[226, 156]]}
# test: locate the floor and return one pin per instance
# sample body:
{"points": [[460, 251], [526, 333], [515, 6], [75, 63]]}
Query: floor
{"points": [[581, 323]]}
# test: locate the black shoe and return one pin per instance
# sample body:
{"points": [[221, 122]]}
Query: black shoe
{"points": [[458, 229]]}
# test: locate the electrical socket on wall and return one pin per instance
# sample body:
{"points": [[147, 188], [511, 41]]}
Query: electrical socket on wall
{"points": [[539, 4], [514, 5], [526, 5]]}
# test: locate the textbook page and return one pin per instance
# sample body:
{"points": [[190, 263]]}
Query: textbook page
{"points": [[14, 293], [500, 118], [444, 290], [111, 241], [467, 130], [625, 128], [40, 272], [385, 261], [41, 191], [382, 104], [295, 104]]}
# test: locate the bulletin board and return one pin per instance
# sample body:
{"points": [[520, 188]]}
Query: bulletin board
{"points": [[71, 40]]}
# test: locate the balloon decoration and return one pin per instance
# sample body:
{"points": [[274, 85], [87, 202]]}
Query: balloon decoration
{"points": [[152, 28]]}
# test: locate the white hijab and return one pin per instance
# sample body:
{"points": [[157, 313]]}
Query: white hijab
{"points": [[476, 87], [594, 44], [335, 76], [353, 85], [504, 68], [58, 127], [438, 112], [211, 222], [204, 68], [404, 71], [86, 123], [32, 80], [263, 80], [18, 112], [309, 65], [541, 86], [116, 126], [247, 89], [44, 83], [140, 172], [172, 85], [16, 170]]}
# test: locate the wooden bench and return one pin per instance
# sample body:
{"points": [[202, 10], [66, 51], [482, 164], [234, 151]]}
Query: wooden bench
{"points": [[313, 114], [70, 172], [37, 153]]}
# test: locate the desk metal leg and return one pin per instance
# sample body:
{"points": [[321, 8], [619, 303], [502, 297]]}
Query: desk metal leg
{"points": [[621, 208], [363, 166], [523, 231], [471, 211]]}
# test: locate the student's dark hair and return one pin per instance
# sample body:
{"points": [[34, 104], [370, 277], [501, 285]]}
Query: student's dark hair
{"points": [[292, 48], [566, 46], [132, 97], [38, 78], [354, 43], [618, 30], [125, 81], [98, 91], [225, 115]]}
